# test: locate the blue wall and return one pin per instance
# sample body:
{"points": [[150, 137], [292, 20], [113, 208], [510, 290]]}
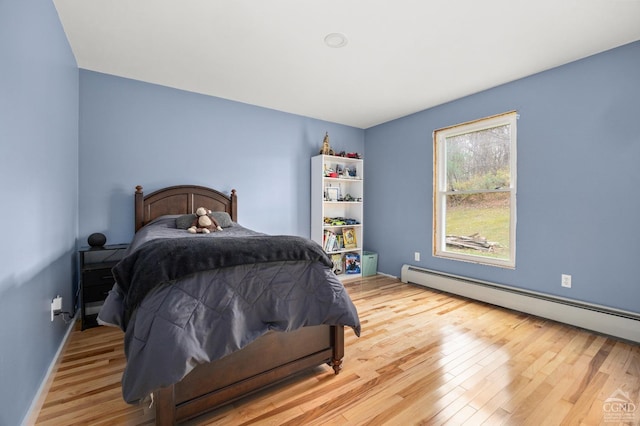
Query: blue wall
{"points": [[578, 179], [135, 133], [39, 189]]}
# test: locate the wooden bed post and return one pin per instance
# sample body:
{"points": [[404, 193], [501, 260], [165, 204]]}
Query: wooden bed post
{"points": [[337, 342], [234, 209], [138, 208], [165, 406]]}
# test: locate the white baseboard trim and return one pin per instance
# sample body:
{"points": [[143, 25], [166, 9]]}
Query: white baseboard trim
{"points": [[41, 394], [387, 275], [602, 319]]}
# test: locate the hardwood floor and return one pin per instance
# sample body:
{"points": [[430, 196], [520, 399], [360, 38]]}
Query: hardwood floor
{"points": [[424, 357]]}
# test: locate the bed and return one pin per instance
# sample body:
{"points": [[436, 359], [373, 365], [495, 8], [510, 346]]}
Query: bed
{"points": [[233, 325]]}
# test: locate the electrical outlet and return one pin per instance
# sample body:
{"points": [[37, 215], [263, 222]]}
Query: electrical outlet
{"points": [[566, 281], [56, 306], [416, 256]]}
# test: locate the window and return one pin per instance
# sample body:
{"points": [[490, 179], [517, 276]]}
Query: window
{"points": [[475, 191]]}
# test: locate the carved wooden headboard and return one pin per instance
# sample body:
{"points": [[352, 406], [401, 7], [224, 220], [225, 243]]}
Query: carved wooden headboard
{"points": [[181, 199]]}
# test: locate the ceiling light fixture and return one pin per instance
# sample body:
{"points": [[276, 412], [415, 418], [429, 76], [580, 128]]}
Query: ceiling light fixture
{"points": [[336, 40]]}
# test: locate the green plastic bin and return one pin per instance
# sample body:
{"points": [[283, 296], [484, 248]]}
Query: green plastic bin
{"points": [[369, 263]]}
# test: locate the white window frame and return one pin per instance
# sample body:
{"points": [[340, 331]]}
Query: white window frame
{"points": [[440, 192]]}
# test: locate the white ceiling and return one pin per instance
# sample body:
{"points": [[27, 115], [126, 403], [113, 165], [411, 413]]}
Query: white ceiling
{"points": [[402, 56]]}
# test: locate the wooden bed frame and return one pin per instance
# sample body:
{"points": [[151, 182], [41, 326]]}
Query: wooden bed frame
{"points": [[268, 360]]}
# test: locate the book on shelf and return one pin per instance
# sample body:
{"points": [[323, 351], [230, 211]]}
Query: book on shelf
{"points": [[329, 241], [337, 260], [332, 241], [352, 263], [349, 236]]}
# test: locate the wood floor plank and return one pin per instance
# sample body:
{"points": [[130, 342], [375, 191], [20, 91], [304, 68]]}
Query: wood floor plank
{"points": [[424, 357]]}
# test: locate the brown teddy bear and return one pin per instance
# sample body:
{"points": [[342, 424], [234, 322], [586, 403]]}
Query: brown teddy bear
{"points": [[203, 223]]}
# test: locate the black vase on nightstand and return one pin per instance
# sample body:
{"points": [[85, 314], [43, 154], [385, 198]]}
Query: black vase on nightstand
{"points": [[97, 240]]}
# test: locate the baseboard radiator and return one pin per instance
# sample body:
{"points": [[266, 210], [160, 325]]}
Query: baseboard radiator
{"points": [[618, 323]]}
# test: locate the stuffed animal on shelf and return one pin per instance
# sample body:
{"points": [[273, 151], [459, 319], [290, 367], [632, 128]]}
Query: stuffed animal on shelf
{"points": [[203, 223]]}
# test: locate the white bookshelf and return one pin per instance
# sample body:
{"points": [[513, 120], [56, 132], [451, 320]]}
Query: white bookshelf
{"points": [[337, 197]]}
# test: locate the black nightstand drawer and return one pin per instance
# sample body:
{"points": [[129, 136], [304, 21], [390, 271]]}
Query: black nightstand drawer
{"points": [[96, 293], [97, 277]]}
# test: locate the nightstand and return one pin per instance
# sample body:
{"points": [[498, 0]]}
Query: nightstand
{"points": [[96, 279]]}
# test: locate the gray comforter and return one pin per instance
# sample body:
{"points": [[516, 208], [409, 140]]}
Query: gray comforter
{"points": [[182, 318]]}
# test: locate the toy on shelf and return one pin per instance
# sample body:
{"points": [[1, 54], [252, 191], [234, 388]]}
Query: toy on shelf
{"points": [[326, 148]]}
